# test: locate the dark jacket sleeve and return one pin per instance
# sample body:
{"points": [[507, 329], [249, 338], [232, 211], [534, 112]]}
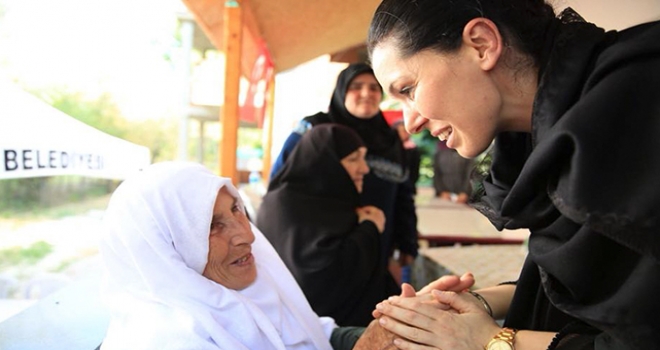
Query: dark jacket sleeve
{"points": [[344, 338]]}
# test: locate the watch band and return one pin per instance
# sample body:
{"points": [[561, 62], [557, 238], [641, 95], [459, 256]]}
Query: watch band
{"points": [[506, 335]]}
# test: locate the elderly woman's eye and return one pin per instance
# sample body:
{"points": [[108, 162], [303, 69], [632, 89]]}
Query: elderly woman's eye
{"points": [[215, 225]]}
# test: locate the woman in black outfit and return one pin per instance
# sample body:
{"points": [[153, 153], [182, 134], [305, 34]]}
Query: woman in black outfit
{"points": [[355, 103], [575, 115], [312, 215]]}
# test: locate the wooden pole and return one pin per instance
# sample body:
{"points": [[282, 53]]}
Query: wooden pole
{"points": [[229, 116], [267, 131]]}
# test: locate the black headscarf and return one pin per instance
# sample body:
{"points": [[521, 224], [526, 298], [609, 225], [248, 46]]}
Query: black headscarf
{"points": [[382, 142], [309, 216], [314, 166]]}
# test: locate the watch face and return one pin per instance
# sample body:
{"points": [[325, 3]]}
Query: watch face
{"points": [[498, 344]]}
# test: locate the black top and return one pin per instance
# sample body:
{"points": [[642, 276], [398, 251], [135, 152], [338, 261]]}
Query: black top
{"points": [[309, 216], [585, 182]]}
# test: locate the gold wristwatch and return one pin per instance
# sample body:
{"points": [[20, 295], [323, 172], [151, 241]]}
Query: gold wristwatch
{"points": [[503, 340]]}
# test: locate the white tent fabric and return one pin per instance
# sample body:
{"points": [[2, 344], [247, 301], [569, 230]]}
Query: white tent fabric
{"points": [[37, 139]]}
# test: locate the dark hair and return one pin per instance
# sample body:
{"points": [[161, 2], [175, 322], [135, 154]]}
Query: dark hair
{"points": [[416, 25]]}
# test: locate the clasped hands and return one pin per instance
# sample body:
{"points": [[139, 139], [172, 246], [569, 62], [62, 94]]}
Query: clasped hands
{"points": [[438, 316]]}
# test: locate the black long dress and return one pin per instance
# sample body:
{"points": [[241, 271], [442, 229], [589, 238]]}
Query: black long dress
{"points": [[308, 215], [585, 182]]}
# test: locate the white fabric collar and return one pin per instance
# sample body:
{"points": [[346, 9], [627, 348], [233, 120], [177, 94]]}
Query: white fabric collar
{"points": [[154, 249]]}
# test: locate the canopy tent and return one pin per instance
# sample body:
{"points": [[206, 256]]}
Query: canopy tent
{"points": [[37, 139]]}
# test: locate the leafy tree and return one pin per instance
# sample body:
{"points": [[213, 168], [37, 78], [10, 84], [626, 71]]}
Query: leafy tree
{"points": [[158, 135], [102, 113]]}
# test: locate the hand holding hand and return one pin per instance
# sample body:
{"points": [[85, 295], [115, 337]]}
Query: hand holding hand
{"points": [[374, 337], [408, 291], [450, 283], [419, 322], [373, 214]]}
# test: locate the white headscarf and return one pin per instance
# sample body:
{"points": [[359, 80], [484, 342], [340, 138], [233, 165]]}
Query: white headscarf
{"points": [[154, 249]]}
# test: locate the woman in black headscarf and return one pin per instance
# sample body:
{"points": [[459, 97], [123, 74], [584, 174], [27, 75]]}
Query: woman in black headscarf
{"points": [[574, 114], [355, 103], [312, 216]]}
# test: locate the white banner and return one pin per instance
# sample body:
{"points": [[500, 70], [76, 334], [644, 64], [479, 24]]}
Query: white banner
{"points": [[37, 139]]}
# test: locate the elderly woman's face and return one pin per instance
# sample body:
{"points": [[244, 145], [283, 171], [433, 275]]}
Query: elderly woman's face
{"points": [[449, 94], [356, 166], [230, 262], [363, 96]]}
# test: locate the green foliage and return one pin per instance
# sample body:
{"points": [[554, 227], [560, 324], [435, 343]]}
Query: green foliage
{"points": [[30, 255], [50, 197], [102, 113], [426, 145], [158, 135], [249, 137], [20, 194]]}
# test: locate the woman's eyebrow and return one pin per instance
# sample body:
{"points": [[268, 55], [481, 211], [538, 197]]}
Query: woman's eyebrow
{"points": [[392, 90]]}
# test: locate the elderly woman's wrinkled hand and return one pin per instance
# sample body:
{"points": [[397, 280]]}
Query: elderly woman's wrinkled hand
{"points": [[375, 337]]}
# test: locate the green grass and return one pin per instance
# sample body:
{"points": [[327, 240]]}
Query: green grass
{"points": [[30, 255], [58, 211]]}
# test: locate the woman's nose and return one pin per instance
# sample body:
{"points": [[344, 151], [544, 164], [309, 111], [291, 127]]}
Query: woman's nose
{"points": [[365, 91], [413, 120], [365, 168], [242, 233]]}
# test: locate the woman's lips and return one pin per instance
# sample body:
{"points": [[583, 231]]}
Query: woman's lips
{"points": [[444, 134], [246, 259]]}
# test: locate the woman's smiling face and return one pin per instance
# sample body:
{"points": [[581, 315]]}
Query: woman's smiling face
{"points": [[230, 261], [363, 96], [451, 95]]}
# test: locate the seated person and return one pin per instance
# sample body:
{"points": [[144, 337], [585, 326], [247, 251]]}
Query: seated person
{"points": [[185, 269], [312, 216]]}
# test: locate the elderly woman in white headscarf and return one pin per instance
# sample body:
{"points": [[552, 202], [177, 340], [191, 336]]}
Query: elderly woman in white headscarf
{"points": [[185, 269]]}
